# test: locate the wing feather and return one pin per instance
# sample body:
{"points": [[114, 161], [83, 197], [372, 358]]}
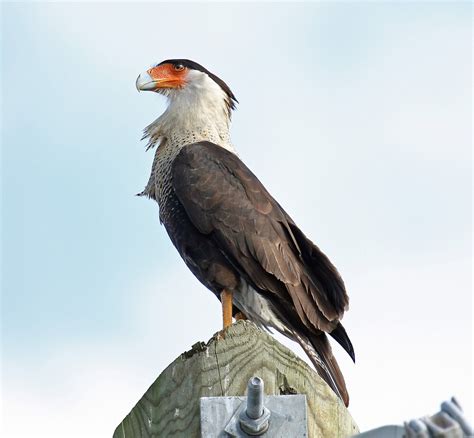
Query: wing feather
{"points": [[225, 200]]}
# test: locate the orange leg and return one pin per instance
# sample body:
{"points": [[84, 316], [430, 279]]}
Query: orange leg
{"points": [[240, 317], [226, 300]]}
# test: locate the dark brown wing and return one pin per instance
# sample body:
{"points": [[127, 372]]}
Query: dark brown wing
{"points": [[226, 201], [223, 197]]}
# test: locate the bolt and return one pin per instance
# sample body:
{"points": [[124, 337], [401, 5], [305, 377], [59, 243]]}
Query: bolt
{"points": [[255, 396], [254, 419]]}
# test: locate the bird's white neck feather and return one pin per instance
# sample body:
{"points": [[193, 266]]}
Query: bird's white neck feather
{"points": [[197, 112]]}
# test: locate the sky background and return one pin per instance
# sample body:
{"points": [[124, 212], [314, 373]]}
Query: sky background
{"points": [[357, 118]]}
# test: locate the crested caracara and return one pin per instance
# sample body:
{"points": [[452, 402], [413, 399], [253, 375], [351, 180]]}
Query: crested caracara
{"points": [[235, 238]]}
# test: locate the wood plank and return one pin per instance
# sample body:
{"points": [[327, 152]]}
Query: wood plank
{"points": [[170, 407]]}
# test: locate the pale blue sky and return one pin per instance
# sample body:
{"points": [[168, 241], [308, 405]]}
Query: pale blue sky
{"points": [[356, 116]]}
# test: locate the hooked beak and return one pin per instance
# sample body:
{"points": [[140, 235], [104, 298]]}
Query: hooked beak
{"points": [[145, 82]]}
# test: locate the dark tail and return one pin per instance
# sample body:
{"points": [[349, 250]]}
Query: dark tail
{"points": [[340, 335], [319, 351]]}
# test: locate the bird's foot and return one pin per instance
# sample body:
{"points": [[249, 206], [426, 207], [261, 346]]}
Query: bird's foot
{"points": [[220, 336], [240, 317]]}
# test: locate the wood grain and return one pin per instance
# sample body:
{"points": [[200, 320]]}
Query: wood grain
{"points": [[170, 407]]}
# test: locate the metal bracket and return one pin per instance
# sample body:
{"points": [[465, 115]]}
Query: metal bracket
{"points": [[255, 415]]}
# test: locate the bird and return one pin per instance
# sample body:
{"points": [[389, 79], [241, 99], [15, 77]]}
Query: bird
{"points": [[232, 234]]}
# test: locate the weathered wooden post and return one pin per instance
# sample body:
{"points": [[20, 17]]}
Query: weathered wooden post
{"points": [[222, 367]]}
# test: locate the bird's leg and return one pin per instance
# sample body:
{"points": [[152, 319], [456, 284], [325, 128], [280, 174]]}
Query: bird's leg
{"points": [[226, 300], [239, 316]]}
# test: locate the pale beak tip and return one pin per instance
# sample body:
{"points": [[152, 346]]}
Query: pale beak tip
{"points": [[145, 82]]}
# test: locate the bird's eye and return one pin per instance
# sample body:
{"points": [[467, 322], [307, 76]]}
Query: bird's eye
{"points": [[179, 67]]}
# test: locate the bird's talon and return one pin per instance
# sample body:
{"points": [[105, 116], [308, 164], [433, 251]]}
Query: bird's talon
{"points": [[239, 316], [220, 336]]}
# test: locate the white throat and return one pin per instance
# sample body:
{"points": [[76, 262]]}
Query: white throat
{"points": [[197, 112]]}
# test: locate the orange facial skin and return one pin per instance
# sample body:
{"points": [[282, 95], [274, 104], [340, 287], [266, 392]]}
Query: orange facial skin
{"points": [[168, 76]]}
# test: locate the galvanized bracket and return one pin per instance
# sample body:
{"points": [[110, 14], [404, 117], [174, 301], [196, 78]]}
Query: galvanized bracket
{"points": [[255, 415]]}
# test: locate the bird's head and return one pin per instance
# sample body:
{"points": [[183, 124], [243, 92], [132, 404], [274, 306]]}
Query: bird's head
{"points": [[185, 80]]}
